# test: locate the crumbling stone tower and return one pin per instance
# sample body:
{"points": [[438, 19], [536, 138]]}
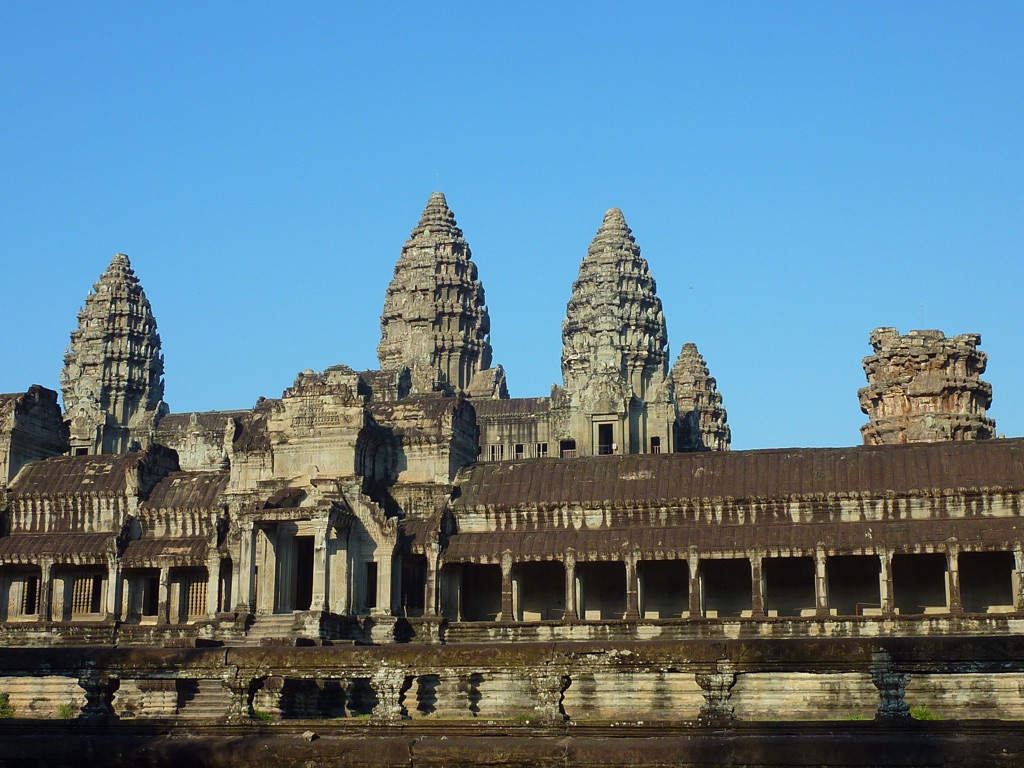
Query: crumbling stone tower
{"points": [[616, 396], [113, 371], [923, 388], [435, 321], [702, 417]]}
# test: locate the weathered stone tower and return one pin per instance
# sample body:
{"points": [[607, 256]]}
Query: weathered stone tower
{"points": [[702, 417], [113, 371], [923, 388], [435, 321], [616, 396]]}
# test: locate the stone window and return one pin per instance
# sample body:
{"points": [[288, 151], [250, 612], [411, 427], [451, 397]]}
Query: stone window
{"points": [[567, 449], [87, 594], [853, 584], [655, 445], [542, 450], [520, 451], [919, 583], [986, 581], [496, 452], [22, 594]]}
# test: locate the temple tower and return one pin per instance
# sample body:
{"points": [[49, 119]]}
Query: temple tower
{"points": [[702, 417], [615, 352], [113, 370], [435, 321], [925, 388]]}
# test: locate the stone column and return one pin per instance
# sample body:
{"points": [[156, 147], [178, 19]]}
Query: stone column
{"points": [[45, 587], [430, 588], [571, 611], [693, 566], [954, 602], [246, 568], [717, 689], [112, 608], [506, 587], [1018, 577], [885, 585], [390, 687], [212, 582], [320, 567], [892, 686], [164, 599], [820, 584], [384, 558], [756, 587], [632, 596], [99, 690]]}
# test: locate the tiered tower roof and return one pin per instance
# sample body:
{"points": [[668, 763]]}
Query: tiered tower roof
{"points": [[614, 321], [702, 417], [435, 320], [112, 379]]}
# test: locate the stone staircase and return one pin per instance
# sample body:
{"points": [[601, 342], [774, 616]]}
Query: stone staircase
{"points": [[273, 629]]}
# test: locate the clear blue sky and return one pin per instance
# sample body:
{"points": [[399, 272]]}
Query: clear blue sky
{"points": [[796, 175]]}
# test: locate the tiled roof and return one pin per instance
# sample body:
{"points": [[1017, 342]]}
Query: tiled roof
{"points": [[518, 406], [90, 546], [76, 474], [187, 490], [149, 552], [767, 474]]}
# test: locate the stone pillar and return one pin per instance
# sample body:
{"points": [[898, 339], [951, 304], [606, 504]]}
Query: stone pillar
{"points": [[506, 587], [430, 607], [321, 567], [571, 610], [717, 689], [390, 687], [693, 566], [246, 568], [265, 575], [892, 686], [240, 689], [99, 690], [45, 587], [164, 599], [954, 602], [885, 583], [632, 594], [820, 584], [112, 608], [1018, 578], [756, 587], [384, 559], [212, 582]]}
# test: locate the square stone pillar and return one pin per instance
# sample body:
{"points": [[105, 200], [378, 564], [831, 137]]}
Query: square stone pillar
{"points": [[321, 568], [246, 569], [506, 587], [430, 607], [1018, 578], [571, 609], [954, 602], [885, 583], [385, 576], [113, 588], [632, 589], [212, 583], [45, 587], [820, 584], [756, 587], [164, 599], [693, 566]]}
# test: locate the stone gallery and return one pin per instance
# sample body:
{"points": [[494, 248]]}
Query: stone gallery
{"points": [[411, 542]]}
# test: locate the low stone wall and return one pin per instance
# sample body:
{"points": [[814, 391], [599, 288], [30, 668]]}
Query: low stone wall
{"points": [[553, 683]]}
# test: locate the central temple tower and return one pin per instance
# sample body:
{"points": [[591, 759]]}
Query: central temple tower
{"points": [[435, 321]]}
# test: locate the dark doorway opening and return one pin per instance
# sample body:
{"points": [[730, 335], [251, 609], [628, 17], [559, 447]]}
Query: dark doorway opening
{"points": [[604, 439], [303, 572]]}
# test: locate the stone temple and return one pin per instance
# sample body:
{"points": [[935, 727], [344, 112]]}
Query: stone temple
{"points": [[614, 557]]}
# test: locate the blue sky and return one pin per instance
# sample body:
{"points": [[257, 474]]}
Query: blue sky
{"points": [[796, 174]]}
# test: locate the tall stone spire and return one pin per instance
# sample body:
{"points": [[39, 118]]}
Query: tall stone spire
{"points": [[435, 321], [113, 371], [616, 396], [614, 320], [702, 418], [925, 388]]}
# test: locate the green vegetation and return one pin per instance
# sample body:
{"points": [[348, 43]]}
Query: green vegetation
{"points": [[923, 713], [65, 711], [262, 716], [6, 708]]}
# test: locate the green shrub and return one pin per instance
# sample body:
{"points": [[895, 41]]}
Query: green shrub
{"points": [[262, 716], [65, 711], [923, 713], [6, 708]]}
